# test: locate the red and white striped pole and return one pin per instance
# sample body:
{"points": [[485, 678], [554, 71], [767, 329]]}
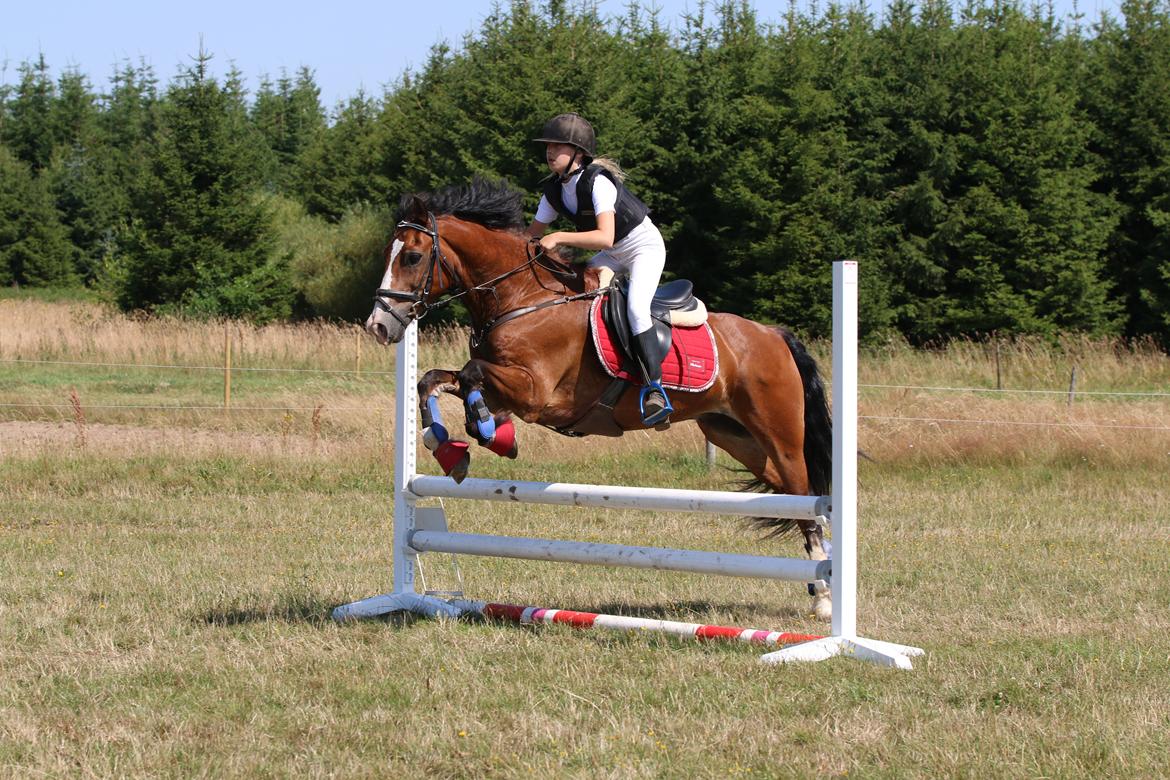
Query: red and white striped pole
{"points": [[540, 616]]}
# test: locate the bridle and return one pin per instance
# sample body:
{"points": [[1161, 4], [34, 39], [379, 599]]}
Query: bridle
{"points": [[420, 307]]}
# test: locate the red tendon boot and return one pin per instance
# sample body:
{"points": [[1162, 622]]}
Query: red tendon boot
{"points": [[454, 458], [504, 442]]}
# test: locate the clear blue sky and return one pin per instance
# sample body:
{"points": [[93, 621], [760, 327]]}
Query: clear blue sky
{"points": [[347, 44]]}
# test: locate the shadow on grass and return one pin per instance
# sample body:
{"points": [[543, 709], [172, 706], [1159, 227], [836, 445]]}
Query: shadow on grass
{"points": [[304, 608]]}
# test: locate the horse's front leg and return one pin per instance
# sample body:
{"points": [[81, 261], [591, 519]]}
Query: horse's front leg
{"points": [[496, 432], [452, 455]]}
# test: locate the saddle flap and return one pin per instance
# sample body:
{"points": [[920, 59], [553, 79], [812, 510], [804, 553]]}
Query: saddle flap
{"points": [[618, 319], [692, 359]]}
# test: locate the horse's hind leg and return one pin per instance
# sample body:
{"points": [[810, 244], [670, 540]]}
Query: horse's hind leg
{"points": [[452, 455], [781, 475], [814, 545]]}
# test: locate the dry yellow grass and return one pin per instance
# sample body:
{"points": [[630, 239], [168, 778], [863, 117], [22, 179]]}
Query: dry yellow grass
{"points": [[330, 383], [37, 330]]}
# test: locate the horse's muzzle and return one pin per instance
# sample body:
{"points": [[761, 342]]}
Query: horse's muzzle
{"points": [[385, 328]]}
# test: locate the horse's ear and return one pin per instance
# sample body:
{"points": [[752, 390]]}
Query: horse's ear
{"points": [[414, 209]]}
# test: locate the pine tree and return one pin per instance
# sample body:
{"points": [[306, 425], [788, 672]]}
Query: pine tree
{"points": [[1130, 104], [644, 127], [1026, 234], [339, 168], [200, 239], [79, 173], [990, 179], [34, 247], [28, 129], [791, 185], [289, 117]]}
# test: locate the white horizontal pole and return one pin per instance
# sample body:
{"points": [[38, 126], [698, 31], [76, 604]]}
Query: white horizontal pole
{"points": [[622, 497], [697, 561]]}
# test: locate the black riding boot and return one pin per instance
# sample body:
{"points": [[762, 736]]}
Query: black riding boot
{"points": [[654, 404]]}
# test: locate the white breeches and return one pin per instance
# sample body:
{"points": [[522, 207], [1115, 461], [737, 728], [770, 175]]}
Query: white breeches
{"points": [[641, 255]]}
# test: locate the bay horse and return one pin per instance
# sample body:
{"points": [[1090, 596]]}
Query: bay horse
{"points": [[531, 354]]}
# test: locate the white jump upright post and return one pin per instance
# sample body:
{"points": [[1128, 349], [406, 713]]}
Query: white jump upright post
{"points": [[843, 511], [404, 598], [418, 530]]}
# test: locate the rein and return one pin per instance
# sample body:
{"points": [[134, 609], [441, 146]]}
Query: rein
{"points": [[420, 307]]}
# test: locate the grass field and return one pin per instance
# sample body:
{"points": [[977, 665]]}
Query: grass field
{"points": [[167, 569]]}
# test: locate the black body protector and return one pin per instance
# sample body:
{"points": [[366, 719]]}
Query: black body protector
{"points": [[629, 212]]}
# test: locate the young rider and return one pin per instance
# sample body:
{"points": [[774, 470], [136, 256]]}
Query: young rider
{"points": [[589, 191]]}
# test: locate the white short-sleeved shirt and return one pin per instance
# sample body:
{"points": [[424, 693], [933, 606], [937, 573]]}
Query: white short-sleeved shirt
{"points": [[604, 199]]}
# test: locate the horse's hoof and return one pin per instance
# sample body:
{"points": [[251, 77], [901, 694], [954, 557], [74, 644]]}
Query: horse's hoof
{"points": [[459, 472], [454, 459]]}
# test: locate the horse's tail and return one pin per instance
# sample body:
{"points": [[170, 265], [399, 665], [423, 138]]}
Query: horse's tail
{"points": [[818, 424], [818, 438]]}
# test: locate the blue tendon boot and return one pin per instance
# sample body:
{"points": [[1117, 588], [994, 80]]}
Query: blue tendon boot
{"points": [[452, 455], [480, 424]]}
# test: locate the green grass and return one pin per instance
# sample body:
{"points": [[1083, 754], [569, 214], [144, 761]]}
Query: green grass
{"points": [[168, 616], [166, 577]]}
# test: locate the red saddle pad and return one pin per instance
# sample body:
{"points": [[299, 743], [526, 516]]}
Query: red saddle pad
{"points": [[690, 365]]}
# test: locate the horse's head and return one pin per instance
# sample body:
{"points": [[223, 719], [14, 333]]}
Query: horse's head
{"points": [[417, 273]]}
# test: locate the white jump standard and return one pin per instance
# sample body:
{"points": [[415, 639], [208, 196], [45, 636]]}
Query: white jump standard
{"points": [[418, 530]]}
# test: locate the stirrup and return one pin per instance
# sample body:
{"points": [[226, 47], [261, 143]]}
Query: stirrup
{"points": [[660, 415]]}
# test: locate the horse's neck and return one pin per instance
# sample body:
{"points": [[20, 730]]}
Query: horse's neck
{"points": [[486, 255]]}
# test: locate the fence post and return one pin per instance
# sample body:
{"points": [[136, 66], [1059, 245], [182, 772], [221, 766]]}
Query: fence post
{"points": [[227, 366], [998, 376]]}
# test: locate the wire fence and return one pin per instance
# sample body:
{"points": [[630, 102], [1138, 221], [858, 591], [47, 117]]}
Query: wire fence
{"points": [[1132, 394], [1022, 391], [357, 371]]}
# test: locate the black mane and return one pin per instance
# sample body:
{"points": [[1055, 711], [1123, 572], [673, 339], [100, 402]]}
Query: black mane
{"points": [[493, 204]]}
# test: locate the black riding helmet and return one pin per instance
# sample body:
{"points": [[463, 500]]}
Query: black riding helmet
{"points": [[571, 129]]}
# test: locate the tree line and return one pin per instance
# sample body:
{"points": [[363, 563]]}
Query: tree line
{"points": [[995, 168]]}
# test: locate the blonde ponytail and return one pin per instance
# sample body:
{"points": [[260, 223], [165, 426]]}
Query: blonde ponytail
{"points": [[611, 165]]}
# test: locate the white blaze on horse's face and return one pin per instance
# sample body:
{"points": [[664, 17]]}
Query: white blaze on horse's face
{"points": [[381, 324]]}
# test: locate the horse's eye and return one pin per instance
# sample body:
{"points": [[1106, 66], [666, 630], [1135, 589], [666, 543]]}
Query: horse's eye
{"points": [[411, 258]]}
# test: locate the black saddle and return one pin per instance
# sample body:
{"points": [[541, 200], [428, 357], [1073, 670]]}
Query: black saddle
{"points": [[677, 295]]}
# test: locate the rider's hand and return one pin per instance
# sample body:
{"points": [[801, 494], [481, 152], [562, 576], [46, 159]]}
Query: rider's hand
{"points": [[550, 242]]}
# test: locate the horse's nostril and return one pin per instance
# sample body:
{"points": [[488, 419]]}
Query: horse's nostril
{"points": [[379, 331]]}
